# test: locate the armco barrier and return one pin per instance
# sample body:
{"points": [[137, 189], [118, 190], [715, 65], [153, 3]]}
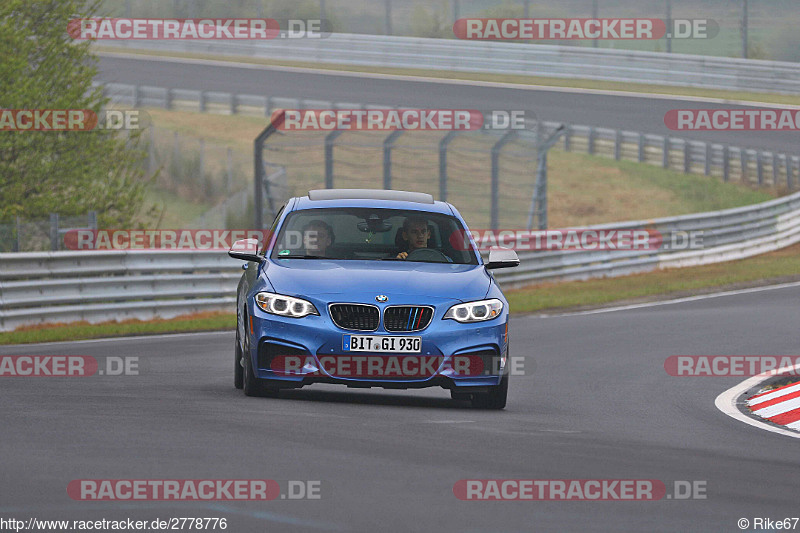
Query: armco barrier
{"points": [[101, 286], [556, 61]]}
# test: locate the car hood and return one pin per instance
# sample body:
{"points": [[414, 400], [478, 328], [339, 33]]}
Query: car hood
{"points": [[432, 280]]}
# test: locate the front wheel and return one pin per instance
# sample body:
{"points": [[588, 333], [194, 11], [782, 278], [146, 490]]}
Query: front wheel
{"points": [[495, 398], [238, 370], [253, 386]]}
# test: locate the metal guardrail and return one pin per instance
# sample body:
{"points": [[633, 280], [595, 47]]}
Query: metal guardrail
{"points": [[101, 286], [756, 167], [556, 61]]}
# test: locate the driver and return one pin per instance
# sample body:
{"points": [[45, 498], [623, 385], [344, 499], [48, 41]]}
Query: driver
{"points": [[415, 235]]}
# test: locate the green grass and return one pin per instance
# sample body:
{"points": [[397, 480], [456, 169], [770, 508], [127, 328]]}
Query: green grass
{"points": [[780, 265], [174, 211], [84, 330], [497, 78]]}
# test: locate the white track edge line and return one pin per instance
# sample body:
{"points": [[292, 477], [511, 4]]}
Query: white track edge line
{"points": [[670, 302]]}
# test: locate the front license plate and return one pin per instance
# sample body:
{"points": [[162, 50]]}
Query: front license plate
{"points": [[381, 343]]}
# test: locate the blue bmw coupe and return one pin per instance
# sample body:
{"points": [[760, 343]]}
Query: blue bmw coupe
{"points": [[371, 288]]}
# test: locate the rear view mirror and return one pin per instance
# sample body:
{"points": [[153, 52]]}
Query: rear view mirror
{"points": [[246, 250], [502, 258]]}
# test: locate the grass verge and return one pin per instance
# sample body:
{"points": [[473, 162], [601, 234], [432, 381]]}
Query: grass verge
{"points": [[669, 90], [775, 267], [83, 330]]}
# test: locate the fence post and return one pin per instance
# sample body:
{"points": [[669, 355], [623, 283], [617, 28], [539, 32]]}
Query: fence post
{"points": [[330, 139], [498, 146], [202, 159], [687, 156], [774, 169], [789, 167], [743, 163], [168, 97], [443, 144], [665, 153], [229, 181], [590, 147], [539, 199], [176, 150], [726, 164], [93, 220], [202, 102], [234, 103], [707, 164], [151, 151], [760, 168], [387, 21], [617, 143], [640, 155], [567, 137], [387, 157], [16, 236], [136, 96], [54, 232]]}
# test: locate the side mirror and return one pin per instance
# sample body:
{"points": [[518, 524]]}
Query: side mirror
{"points": [[246, 250], [502, 258]]}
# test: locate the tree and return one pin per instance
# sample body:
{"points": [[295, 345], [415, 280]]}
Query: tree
{"points": [[64, 172]]}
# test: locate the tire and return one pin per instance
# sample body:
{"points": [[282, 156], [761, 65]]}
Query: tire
{"points": [[238, 370], [494, 399], [460, 395]]}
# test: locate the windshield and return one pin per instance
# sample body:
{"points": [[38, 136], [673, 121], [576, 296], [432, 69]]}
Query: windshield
{"points": [[373, 234]]}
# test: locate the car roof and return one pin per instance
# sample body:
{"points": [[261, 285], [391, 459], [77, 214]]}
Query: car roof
{"points": [[379, 198]]}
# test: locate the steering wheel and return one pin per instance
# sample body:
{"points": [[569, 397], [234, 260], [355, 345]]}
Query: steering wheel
{"points": [[429, 255]]}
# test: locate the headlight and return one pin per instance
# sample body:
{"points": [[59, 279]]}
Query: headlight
{"points": [[278, 304], [475, 311]]}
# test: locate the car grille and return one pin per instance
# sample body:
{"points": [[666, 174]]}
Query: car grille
{"points": [[407, 318], [355, 316]]}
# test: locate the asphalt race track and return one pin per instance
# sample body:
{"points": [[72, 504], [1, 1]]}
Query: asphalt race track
{"points": [[597, 404], [635, 113]]}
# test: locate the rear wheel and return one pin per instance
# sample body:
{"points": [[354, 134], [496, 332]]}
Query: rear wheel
{"points": [[495, 398]]}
